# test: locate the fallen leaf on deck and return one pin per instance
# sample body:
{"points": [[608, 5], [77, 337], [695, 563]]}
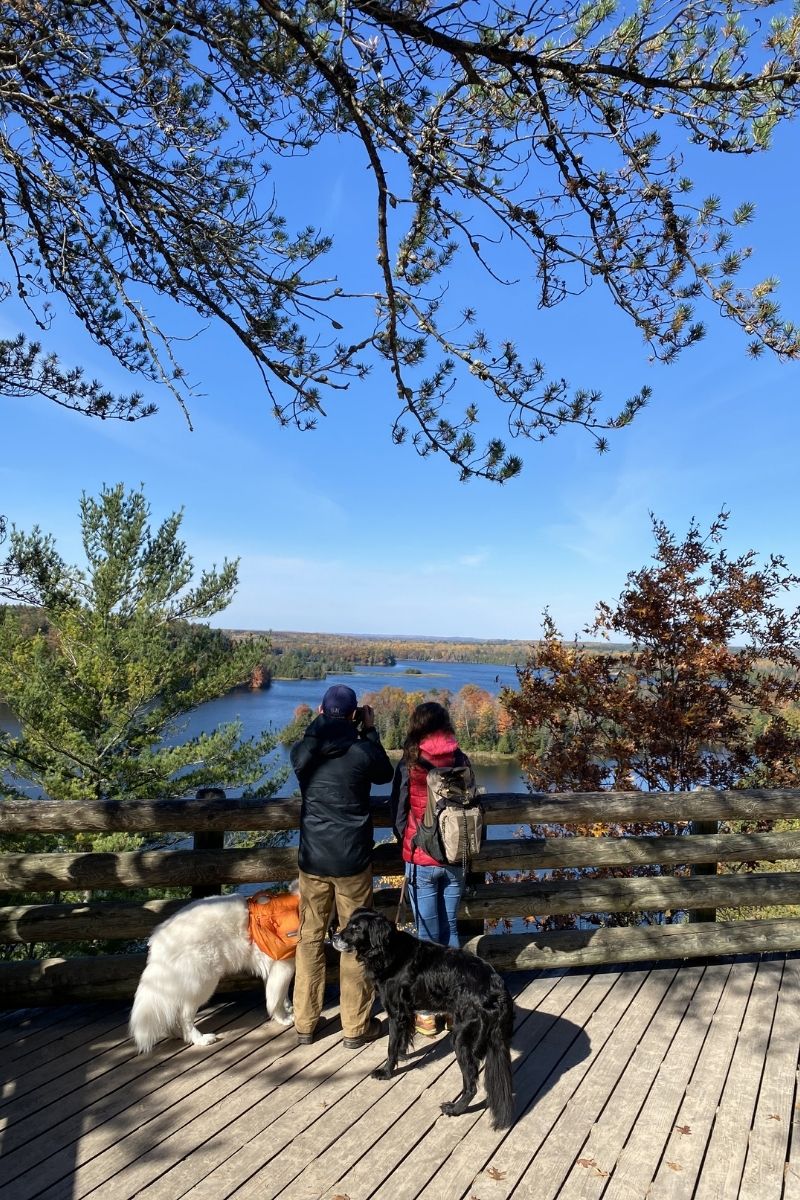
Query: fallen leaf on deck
{"points": [[493, 1173], [586, 1162], [674, 1166], [684, 1128], [773, 1117]]}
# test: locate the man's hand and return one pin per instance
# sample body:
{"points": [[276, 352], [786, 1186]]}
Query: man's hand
{"points": [[368, 719]]}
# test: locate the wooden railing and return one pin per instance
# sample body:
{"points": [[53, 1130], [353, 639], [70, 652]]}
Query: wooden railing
{"points": [[38, 981]]}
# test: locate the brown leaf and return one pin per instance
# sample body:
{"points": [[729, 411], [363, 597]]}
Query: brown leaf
{"points": [[586, 1162], [674, 1166], [773, 1117], [341, 1196], [684, 1128], [493, 1173]]}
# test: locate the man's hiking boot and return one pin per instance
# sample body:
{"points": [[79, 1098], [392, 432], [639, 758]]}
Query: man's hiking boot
{"points": [[373, 1031]]}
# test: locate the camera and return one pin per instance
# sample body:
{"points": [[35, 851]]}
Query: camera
{"points": [[359, 717]]}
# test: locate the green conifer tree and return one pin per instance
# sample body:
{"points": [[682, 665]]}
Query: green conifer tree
{"points": [[99, 692]]}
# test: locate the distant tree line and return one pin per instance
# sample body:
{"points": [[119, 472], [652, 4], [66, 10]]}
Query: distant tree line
{"points": [[480, 721], [30, 619], [343, 652], [309, 662]]}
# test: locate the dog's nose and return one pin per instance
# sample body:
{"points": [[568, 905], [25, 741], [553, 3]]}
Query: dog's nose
{"points": [[339, 944]]}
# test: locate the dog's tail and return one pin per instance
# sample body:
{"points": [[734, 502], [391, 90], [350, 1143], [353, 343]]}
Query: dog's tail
{"points": [[155, 1013], [497, 1072]]}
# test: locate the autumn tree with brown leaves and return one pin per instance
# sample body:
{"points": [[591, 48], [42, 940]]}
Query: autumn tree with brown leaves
{"points": [[700, 697]]}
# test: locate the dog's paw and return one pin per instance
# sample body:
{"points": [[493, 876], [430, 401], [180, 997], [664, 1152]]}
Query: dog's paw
{"points": [[450, 1108], [383, 1072], [283, 1018], [204, 1039]]}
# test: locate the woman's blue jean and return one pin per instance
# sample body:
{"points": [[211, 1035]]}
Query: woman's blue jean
{"points": [[435, 893]]}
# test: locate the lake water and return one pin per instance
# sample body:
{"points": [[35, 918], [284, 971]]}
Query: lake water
{"points": [[274, 707]]}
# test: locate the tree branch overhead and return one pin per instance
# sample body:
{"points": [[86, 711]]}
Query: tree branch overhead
{"points": [[135, 161]]}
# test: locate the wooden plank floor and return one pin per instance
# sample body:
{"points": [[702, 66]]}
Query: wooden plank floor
{"points": [[668, 1082]]}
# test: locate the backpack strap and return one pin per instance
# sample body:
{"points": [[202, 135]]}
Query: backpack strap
{"points": [[459, 760], [401, 901]]}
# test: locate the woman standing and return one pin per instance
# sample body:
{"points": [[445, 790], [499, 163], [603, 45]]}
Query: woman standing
{"points": [[434, 888]]}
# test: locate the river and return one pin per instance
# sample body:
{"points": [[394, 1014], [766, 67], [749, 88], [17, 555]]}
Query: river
{"points": [[274, 707]]}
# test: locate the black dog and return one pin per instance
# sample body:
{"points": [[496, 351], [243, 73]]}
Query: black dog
{"points": [[411, 975]]}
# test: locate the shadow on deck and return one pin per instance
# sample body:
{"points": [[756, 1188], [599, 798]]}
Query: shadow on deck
{"points": [[669, 1081]]}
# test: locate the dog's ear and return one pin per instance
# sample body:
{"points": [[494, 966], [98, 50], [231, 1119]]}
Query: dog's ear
{"points": [[380, 932]]}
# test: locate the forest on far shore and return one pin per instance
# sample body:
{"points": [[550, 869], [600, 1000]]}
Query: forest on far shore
{"points": [[480, 720], [313, 655]]}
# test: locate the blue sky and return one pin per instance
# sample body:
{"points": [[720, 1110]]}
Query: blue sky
{"points": [[338, 530]]}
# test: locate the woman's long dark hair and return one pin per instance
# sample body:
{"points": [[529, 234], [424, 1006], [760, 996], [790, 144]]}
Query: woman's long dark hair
{"points": [[426, 718]]}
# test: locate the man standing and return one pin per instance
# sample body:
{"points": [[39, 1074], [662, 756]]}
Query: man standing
{"points": [[338, 759]]}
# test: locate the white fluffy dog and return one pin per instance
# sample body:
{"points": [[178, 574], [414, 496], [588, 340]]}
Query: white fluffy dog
{"points": [[189, 953]]}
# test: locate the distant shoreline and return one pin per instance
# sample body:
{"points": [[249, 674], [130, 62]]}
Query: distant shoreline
{"points": [[486, 757]]}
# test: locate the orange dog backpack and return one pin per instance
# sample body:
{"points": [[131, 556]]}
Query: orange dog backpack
{"points": [[274, 922]]}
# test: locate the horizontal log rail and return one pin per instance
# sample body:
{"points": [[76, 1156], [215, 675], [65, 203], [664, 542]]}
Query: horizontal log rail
{"points": [[234, 813], [108, 919], [65, 980], [648, 943], [189, 868], [694, 843], [492, 901], [662, 893]]}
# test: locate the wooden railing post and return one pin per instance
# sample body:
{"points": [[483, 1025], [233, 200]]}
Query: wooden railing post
{"points": [[695, 827], [208, 841], [471, 927]]}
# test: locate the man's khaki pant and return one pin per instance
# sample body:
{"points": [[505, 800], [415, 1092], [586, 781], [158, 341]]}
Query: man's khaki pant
{"points": [[317, 894]]}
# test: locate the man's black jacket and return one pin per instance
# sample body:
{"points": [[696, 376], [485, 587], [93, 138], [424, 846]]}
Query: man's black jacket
{"points": [[335, 767]]}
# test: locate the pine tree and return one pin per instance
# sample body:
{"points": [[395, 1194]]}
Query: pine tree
{"points": [[101, 688], [543, 143]]}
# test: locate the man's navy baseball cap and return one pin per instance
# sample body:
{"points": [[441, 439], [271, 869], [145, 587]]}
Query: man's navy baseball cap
{"points": [[339, 701]]}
